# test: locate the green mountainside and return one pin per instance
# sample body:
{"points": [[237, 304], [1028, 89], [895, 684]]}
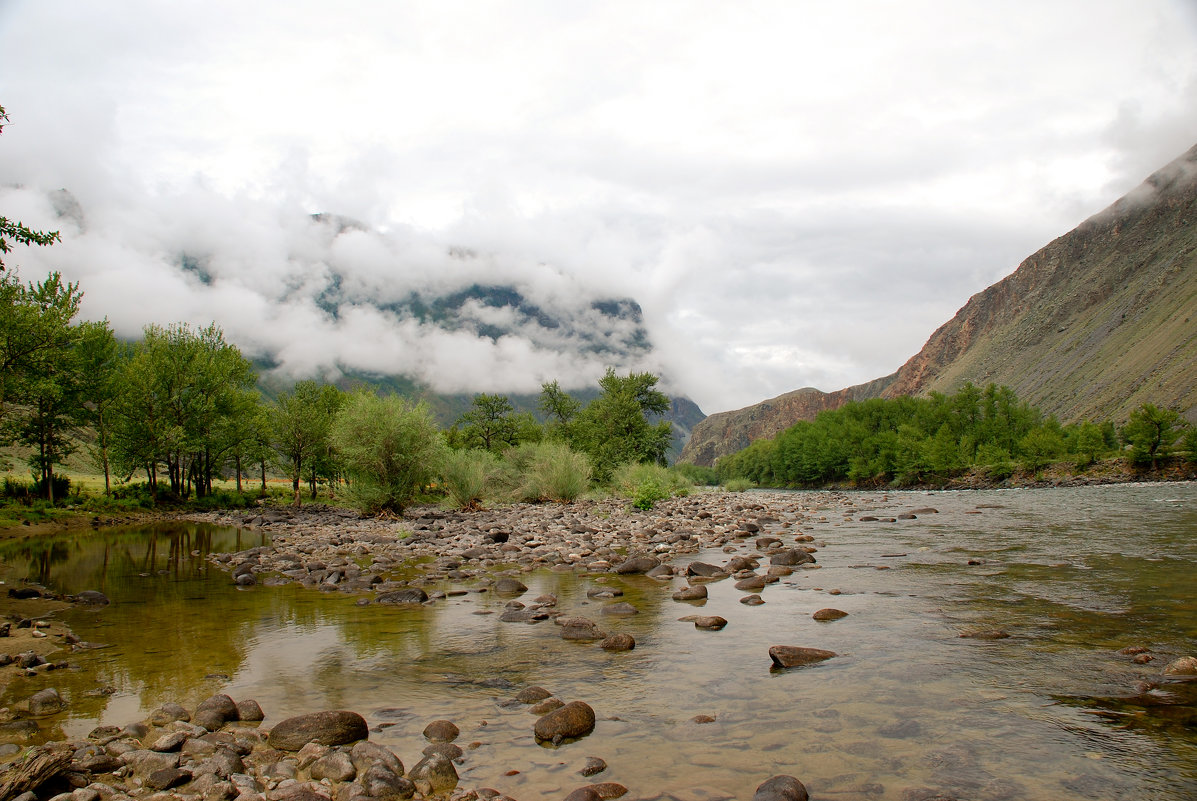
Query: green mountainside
{"points": [[1091, 326]]}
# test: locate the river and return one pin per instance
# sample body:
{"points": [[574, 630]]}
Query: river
{"points": [[909, 710]]}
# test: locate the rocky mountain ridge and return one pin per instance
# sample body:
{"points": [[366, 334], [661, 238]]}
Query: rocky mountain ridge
{"points": [[1097, 322]]}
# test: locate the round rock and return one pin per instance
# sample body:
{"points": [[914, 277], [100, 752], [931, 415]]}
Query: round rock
{"points": [[781, 788], [829, 614], [441, 731], [787, 656], [575, 719], [333, 727], [618, 642]]}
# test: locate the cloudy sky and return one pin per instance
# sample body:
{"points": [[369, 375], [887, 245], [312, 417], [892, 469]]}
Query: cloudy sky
{"points": [[797, 193]]}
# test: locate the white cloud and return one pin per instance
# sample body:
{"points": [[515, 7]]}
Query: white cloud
{"points": [[797, 193]]}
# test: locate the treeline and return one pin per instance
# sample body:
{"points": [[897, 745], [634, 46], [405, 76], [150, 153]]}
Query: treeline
{"points": [[910, 441], [179, 409]]}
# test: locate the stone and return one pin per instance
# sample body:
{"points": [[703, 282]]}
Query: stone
{"points": [[45, 702], [787, 656], [250, 711], [579, 628], [169, 742], [1185, 666], [697, 592], [142, 763], [829, 614], [546, 706], [381, 782], [336, 766], [709, 622], [407, 595], [441, 731], [223, 762], [450, 751], [791, 557], [593, 766], [365, 754], [214, 712], [169, 713], [434, 774], [334, 727], [704, 570], [621, 609], [167, 778], [510, 586], [575, 719], [753, 583], [781, 788], [92, 598], [618, 642], [531, 695], [752, 600], [637, 564]]}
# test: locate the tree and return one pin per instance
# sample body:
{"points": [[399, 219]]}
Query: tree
{"points": [[613, 428], [1150, 432], [559, 408], [14, 229], [490, 423], [391, 450], [99, 358], [301, 420]]}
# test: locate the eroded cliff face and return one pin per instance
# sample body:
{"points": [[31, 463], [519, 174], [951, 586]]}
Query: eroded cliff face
{"points": [[1091, 326]]}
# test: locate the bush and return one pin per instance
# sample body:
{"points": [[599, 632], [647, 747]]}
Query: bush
{"points": [[737, 485], [62, 487], [545, 471], [467, 476], [646, 484], [696, 475], [391, 448]]}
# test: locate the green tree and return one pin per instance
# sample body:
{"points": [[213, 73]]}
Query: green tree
{"points": [[490, 423], [13, 230], [1150, 432], [559, 410], [614, 429], [391, 450], [301, 421], [99, 356]]}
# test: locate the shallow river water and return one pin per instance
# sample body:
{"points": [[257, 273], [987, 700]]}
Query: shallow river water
{"points": [[909, 709]]}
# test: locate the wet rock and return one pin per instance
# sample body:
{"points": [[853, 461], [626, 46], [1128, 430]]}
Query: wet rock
{"points": [[447, 750], [45, 702], [587, 793], [989, 634], [365, 754], [336, 727], [637, 564], [381, 782], [580, 628], [224, 763], [575, 719], [169, 742], [753, 583], [593, 766], [169, 713], [788, 656], [546, 706], [597, 792], [18, 730], [1185, 666], [621, 609], [214, 712], [618, 642], [336, 766], [752, 600], [167, 778], [780, 788], [705, 570], [407, 595], [709, 622], [829, 614], [531, 695], [441, 731], [434, 774], [92, 598], [250, 711], [142, 763], [702, 719], [697, 592], [510, 586], [791, 557]]}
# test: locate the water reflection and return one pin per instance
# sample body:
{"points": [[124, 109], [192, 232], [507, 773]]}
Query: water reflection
{"points": [[908, 707]]}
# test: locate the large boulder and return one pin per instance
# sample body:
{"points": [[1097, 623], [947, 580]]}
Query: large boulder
{"points": [[637, 564], [214, 712], [45, 702], [407, 595], [510, 586], [791, 557], [705, 570], [434, 774], [332, 727], [697, 592], [1185, 666], [780, 788], [787, 656], [575, 719]]}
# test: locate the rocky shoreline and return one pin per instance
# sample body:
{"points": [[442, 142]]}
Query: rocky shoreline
{"points": [[407, 561], [218, 752]]}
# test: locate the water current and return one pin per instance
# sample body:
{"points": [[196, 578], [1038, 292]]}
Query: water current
{"points": [[909, 710]]}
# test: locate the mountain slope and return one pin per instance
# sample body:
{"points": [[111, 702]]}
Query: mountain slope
{"points": [[1091, 326]]}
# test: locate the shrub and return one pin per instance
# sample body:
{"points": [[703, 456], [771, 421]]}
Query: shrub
{"points": [[391, 448], [646, 484], [545, 471], [467, 476], [697, 475], [737, 485]]}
